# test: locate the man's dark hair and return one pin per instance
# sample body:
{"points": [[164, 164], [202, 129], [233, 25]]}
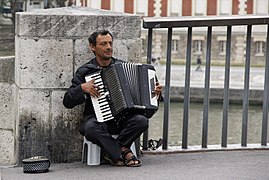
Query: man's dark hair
{"points": [[93, 36]]}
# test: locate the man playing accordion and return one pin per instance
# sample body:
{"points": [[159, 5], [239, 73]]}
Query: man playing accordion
{"points": [[130, 126]]}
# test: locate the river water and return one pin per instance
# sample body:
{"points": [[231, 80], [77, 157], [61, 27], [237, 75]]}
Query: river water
{"points": [[214, 124]]}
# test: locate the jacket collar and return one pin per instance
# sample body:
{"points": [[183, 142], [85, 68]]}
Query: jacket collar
{"points": [[95, 65]]}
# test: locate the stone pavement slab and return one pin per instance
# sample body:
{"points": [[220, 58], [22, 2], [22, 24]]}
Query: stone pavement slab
{"points": [[221, 165]]}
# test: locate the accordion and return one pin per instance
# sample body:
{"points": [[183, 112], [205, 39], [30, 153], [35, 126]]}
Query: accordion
{"points": [[124, 88]]}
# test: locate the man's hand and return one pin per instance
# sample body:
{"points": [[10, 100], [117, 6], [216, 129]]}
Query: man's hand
{"points": [[91, 88], [158, 89]]}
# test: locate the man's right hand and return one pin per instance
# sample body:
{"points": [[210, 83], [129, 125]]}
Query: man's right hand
{"points": [[91, 88]]}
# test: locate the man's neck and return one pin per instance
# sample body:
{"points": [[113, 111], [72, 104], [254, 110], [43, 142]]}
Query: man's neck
{"points": [[104, 62]]}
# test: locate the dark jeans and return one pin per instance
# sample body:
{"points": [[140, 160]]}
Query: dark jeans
{"points": [[128, 130]]}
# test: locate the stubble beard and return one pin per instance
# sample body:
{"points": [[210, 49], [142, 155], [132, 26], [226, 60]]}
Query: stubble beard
{"points": [[106, 58]]}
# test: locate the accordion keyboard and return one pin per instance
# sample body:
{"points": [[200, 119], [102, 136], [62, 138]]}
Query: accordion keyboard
{"points": [[100, 104]]}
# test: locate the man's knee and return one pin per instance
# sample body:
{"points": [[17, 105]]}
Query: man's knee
{"points": [[91, 129], [142, 121]]}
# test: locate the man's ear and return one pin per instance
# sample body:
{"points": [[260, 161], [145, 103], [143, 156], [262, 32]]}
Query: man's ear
{"points": [[92, 47]]}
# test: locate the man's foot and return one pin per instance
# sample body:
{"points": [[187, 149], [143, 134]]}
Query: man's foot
{"points": [[130, 159], [120, 162]]}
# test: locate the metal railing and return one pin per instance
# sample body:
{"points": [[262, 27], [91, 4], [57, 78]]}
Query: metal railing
{"points": [[189, 22]]}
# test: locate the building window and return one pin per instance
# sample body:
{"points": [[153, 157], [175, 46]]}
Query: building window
{"points": [[260, 48], [36, 5], [175, 44], [222, 47], [261, 7], [141, 7], [200, 7], [175, 7], [225, 7], [118, 6], [198, 46], [96, 4]]}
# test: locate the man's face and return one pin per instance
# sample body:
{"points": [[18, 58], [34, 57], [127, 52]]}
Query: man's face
{"points": [[103, 49]]}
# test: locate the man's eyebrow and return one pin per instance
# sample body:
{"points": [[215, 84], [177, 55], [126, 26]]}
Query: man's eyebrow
{"points": [[106, 41]]}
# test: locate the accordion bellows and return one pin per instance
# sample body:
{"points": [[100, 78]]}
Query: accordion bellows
{"points": [[124, 88], [36, 164]]}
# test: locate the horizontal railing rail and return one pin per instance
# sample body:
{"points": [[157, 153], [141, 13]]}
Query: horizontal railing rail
{"points": [[152, 23]]}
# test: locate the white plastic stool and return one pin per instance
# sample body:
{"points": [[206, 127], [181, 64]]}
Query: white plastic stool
{"points": [[93, 153]]}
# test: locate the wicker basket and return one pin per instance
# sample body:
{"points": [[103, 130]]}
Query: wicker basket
{"points": [[36, 164]]}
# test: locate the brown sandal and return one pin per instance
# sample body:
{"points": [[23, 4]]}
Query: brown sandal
{"points": [[120, 162], [132, 158]]}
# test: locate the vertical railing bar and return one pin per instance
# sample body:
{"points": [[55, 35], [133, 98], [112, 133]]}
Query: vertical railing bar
{"points": [[246, 89], [149, 54], [149, 51], [167, 90], [226, 88], [187, 91], [206, 88], [265, 95]]}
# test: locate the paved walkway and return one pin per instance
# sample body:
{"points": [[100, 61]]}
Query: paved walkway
{"points": [[216, 165]]}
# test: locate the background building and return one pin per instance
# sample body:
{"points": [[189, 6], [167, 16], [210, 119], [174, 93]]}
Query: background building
{"points": [[180, 8]]}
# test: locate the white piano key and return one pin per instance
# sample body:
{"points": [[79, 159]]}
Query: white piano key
{"points": [[100, 105]]}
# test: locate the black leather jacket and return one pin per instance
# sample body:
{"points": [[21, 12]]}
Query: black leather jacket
{"points": [[75, 96]]}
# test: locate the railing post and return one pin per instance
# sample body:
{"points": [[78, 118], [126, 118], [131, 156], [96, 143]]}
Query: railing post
{"points": [[149, 50], [265, 95], [167, 90], [149, 56], [206, 88], [187, 91], [246, 89], [226, 88]]}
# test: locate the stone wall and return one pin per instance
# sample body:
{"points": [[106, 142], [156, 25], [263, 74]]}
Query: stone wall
{"points": [[7, 113], [50, 45], [216, 95]]}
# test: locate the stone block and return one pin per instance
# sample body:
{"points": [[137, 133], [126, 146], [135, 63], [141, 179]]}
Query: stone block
{"points": [[47, 128], [43, 63], [128, 50], [34, 124], [7, 69], [7, 112], [74, 22], [7, 149], [256, 95], [66, 141], [82, 53]]}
